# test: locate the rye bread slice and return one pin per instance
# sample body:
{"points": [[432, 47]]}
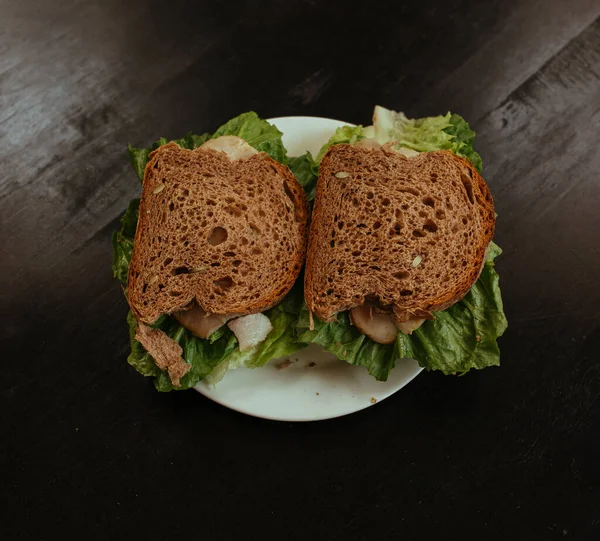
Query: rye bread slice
{"points": [[229, 235], [407, 235]]}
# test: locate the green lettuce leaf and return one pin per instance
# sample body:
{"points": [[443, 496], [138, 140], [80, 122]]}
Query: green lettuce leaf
{"points": [[220, 352], [257, 132], [345, 134], [461, 338], [122, 242], [463, 138], [447, 132], [306, 171], [347, 343]]}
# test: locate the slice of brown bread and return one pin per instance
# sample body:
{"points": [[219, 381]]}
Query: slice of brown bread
{"points": [[406, 235], [229, 235]]}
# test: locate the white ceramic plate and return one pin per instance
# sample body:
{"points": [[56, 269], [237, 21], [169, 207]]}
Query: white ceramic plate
{"points": [[310, 385]]}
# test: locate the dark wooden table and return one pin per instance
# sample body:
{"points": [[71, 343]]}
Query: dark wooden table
{"points": [[90, 448]]}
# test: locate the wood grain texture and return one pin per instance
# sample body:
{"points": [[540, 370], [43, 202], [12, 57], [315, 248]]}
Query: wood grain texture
{"points": [[90, 448]]}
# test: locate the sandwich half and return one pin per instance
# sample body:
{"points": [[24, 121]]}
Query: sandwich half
{"points": [[400, 257], [219, 241]]}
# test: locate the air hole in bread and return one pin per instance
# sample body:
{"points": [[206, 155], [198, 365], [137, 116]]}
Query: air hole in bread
{"points": [[223, 283], [217, 236], [356, 253], [430, 226], [401, 275], [406, 293], [243, 241], [428, 201], [355, 201], [167, 261], [404, 206], [370, 195], [440, 214], [465, 221], [409, 190], [377, 225], [180, 270], [468, 187], [422, 214], [171, 206], [433, 177], [256, 251], [229, 254], [385, 201], [395, 230], [211, 202], [418, 233], [233, 211], [255, 229]]}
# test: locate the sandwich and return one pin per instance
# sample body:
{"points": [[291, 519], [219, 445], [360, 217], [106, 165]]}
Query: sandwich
{"points": [[401, 260], [210, 251], [399, 255]]}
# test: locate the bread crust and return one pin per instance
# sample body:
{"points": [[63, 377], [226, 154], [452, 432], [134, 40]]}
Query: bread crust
{"points": [[190, 194], [388, 230]]}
